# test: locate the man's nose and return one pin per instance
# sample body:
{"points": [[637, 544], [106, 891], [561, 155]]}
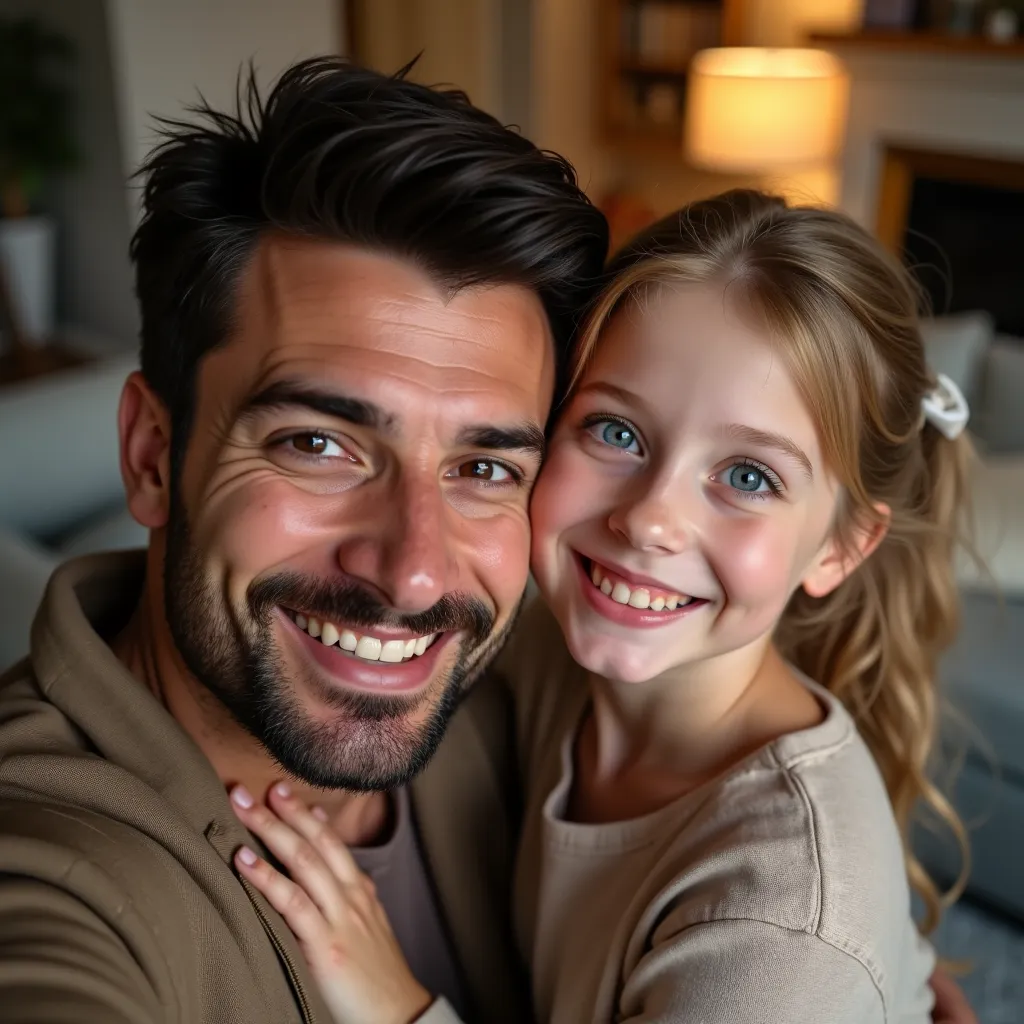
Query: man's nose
{"points": [[656, 517], [406, 551]]}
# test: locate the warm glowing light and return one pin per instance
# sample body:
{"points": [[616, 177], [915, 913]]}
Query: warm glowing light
{"points": [[751, 109]]}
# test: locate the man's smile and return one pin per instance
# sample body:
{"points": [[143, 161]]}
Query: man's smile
{"points": [[368, 660], [378, 644]]}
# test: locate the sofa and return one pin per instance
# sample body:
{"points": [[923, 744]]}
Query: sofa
{"points": [[61, 495], [981, 759], [60, 484]]}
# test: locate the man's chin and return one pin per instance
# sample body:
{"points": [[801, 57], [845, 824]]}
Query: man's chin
{"points": [[371, 745]]}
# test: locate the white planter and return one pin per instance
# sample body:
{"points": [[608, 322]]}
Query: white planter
{"points": [[27, 256]]}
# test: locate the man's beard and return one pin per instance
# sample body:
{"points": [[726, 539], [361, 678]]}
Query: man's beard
{"points": [[368, 744]]}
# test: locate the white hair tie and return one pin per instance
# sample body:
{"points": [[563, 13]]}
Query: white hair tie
{"points": [[945, 408]]}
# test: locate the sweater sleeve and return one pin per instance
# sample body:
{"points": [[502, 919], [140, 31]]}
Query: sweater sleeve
{"points": [[749, 972], [60, 963]]}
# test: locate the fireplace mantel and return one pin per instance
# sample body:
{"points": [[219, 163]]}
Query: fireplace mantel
{"points": [[925, 100]]}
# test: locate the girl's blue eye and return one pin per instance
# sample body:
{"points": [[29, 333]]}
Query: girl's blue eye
{"points": [[618, 435], [744, 477]]}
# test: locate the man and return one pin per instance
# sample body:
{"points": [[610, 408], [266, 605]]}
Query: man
{"points": [[355, 305]]}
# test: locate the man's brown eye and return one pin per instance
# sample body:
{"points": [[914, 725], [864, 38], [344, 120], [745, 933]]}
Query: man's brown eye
{"points": [[316, 445], [484, 469]]}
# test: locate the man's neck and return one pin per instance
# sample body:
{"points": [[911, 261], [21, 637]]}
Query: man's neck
{"points": [[145, 647]]}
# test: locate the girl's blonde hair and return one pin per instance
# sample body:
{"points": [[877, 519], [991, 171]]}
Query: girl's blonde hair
{"points": [[844, 316]]}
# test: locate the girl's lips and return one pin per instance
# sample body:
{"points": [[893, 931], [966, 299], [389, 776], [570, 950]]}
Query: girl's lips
{"points": [[624, 614]]}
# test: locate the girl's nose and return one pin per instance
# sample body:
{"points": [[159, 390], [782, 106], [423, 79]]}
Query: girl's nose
{"points": [[651, 523]]}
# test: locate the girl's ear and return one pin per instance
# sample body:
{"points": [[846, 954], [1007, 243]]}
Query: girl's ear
{"points": [[837, 560]]}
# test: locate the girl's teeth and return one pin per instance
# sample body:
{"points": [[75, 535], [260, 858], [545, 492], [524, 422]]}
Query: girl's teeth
{"points": [[329, 634], [639, 598], [369, 647]]}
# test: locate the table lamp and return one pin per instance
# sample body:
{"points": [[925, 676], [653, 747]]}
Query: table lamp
{"points": [[752, 110]]}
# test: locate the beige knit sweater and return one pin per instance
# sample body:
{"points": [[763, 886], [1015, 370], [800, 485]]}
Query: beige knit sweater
{"points": [[775, 894]]}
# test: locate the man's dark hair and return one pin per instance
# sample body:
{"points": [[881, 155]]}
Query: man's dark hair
{"points": [[342, 153]]}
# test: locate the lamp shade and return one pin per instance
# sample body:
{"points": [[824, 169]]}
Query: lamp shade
{"points": [[750, 109]]}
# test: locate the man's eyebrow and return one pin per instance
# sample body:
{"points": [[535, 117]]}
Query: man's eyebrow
{"points": [[769, 439], [287, 394], [523, 437]]}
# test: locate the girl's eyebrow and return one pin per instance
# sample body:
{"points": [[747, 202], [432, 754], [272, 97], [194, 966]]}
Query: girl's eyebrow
{"points": [[769, 439], [623, 395]]}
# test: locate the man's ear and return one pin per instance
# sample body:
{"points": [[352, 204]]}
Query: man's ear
{"points": [[837, 560], [144, 427]]}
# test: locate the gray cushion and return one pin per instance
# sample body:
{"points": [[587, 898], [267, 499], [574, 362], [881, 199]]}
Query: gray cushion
{"points": [[992, 807], [984, 678], [1001, 418]]}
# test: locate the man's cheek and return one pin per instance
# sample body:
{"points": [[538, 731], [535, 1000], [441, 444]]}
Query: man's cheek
{"points": [[498, 553]]}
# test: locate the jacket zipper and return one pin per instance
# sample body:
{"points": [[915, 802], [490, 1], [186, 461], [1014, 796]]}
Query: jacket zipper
{"points": [[293, 974]]}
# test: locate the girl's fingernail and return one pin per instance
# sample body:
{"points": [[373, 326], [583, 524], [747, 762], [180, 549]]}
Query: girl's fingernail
{"points": [[319, 813], [246, 856], [283, 789], [241, 797]]}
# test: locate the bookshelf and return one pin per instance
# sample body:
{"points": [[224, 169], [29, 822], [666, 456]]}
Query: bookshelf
{"points": [[645, 49]]}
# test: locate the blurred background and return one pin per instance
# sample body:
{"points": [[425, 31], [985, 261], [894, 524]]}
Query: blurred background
{"points": [[907, 114]]}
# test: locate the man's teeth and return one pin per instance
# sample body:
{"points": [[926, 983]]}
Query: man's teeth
{"points": [[635, 597], [369, 648]]}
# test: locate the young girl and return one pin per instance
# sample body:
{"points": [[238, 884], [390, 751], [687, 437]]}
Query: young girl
{"points": [[743, 536]]}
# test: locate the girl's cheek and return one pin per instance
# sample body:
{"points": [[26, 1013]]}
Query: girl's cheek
{"points": [[755, 561]]}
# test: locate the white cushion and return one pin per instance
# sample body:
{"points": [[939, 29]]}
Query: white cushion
{"points": [[956, 345], [1000, 421], [998, 497]]}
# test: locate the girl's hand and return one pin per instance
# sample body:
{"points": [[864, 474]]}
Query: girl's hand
{"points": [[951, 1006], [332, 908]]}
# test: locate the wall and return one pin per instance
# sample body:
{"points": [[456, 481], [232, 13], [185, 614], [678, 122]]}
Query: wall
{"points": [[166, 53], [479, 46], [445, 35]]}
